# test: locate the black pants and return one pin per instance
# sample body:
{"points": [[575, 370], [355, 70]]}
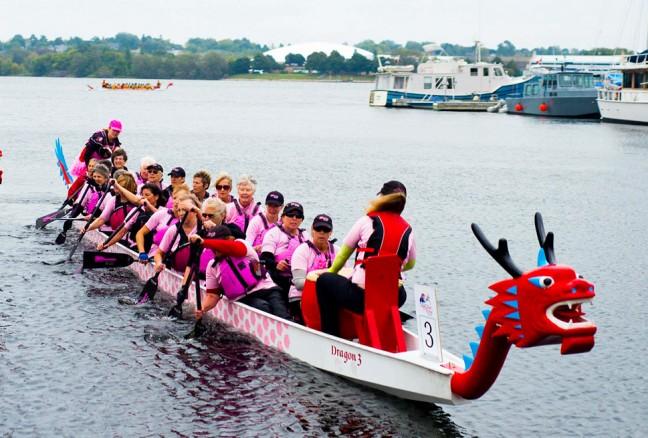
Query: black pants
{"points": [[268, 300], [334, 292]]}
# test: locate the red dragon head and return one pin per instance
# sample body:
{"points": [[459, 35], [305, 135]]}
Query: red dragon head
{"points": [[541, 306]]}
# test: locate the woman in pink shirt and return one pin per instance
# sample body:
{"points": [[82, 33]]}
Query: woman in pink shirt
{"points": [[381, 231], [236, 260], [264, 220], [223, 187], [117, 207], [312, 255], [241, 210], [176, 237], [280, 242]]}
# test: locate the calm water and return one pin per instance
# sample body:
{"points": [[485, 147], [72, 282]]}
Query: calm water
{"points": [[74, 362]]}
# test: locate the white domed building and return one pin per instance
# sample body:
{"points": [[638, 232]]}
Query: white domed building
{"points": [[305, 49]]}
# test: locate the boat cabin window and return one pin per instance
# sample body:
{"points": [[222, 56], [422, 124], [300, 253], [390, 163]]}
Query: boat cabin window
{"points": [[532, 89], [550, 81], [473, 71], [575, 81], [498, 71], [400, 82], [636, 79], [485, 71], [427, 83], [382, 82]]}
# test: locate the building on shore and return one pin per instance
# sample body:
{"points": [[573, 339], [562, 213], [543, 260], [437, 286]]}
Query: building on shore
{"points": [[305, 49]]}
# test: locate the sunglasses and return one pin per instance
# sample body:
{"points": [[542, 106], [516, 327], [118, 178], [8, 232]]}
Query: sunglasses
{"points": [[208, 215], [294, 215], [322, 229], [223, 187]]}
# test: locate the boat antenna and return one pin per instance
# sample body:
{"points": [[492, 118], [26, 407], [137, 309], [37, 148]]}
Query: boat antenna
{"points": [[478, 51]]}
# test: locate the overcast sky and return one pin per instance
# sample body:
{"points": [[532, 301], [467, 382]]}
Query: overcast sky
{"points": [[566, 23]]}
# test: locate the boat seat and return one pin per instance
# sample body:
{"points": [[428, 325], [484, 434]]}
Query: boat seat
{"points": [[380, 324]]}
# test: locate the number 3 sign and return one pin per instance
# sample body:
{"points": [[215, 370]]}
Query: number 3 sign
{"points": [[427, 315]]}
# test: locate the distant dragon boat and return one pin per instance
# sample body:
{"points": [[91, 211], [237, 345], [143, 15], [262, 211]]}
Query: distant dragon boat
{"points": [[538, 307], [137, 86]]}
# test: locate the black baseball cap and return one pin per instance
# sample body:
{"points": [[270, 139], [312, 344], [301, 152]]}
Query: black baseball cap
{"points": [[155, 168], [235, 231], [221, 232], [392, 186], [294, 208], [323, 221], [177, 171], [274, 198]]}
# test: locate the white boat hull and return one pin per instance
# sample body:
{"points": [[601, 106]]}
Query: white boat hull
{"points": [[623, 111], [406, 375]]}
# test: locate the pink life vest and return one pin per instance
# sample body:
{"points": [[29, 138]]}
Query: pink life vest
{"points": [[92, 200], [161, 229], [119, 214], [258, 240], [287, 253], [206, 257], [322, 260], [242, 219], [181, 258], [182, 254], [238, 275]]}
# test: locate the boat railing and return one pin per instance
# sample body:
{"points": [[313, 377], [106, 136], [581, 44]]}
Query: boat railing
{"points": [[625, 95]]}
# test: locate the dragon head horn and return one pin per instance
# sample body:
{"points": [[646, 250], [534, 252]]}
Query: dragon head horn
{"points": [[546, 241], [501, 254]]}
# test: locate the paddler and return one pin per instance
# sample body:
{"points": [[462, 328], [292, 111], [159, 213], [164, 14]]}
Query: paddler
{"points": [[157, 226], [312, 255], [223, 187], [176, 237], [279, 244], [241, 210], [118, 206], [264, 220], [235, 272], [381, 231], [119, 158], [177, 176], [200, 184]]}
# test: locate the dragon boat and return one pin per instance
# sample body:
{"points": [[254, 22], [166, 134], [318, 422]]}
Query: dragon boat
{"points": [[538, 307]]}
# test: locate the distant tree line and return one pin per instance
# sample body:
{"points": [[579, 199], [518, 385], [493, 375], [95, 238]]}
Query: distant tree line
{"points": [[128, 55]]}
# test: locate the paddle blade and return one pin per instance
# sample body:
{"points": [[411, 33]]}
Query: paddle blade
{"points": [[49, 218], [98, 260], [176, 311], [199, 329], [60, 239], [149, 290]]}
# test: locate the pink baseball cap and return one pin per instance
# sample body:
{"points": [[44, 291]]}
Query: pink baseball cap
{"points": [[115, 125]]}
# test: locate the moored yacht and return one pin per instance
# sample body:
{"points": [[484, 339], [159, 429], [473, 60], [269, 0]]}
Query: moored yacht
{"points": [[442, 78], [629, 102], [559, 94]]}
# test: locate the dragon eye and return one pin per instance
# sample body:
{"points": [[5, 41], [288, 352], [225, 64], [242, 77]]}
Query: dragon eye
{"points": [[541, 282]]}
